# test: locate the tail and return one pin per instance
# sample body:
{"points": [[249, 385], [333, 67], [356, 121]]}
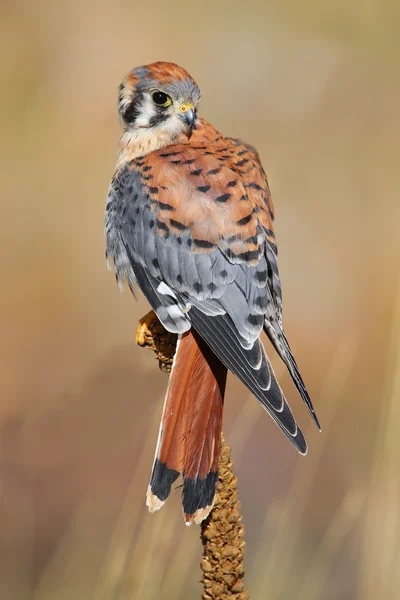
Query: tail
{"points": [[190, 431]]}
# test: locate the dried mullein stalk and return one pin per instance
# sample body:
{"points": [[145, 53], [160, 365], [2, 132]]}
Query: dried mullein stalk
{"points": [[222, 532], [222, 536]]}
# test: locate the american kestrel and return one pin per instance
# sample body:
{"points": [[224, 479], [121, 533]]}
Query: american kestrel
{"points": [[189, 219]]}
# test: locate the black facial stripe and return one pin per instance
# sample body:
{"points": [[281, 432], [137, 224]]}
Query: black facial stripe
{"points": [[162, 114], [132, 111], [158, 118]]}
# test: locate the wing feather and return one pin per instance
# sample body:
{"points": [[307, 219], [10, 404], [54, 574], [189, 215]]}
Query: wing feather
{"points": [[196, 231]]}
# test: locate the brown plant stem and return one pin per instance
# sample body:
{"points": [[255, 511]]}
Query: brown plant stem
{"points": [[222, 536], [222, 532]]}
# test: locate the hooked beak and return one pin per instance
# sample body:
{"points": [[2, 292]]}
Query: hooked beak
{"points": [[188, 116]]}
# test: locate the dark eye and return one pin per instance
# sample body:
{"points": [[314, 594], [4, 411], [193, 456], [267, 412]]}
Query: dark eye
{"points": [[161, 99]]}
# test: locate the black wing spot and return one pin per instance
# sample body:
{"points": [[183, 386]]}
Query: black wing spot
{"points": [[147, 168], [232, 183], [261, 276], [190, 161], [165, 206], [212, 287], [253, 185], [245, 220], [162, 226], [166, 154], [153, 190], [178, 225], [223, 198], [255, 319], [262, 302], [203, 244], [242, 162], [246, 257], [252, 240], [198, 287], [198, 172], [214, 171], [203, 188]]}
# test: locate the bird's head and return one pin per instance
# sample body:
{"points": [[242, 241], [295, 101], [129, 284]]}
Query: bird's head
{"points": [[159, 100]]}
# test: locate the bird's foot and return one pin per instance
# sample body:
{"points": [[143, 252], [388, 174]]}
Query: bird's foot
{"points": [[144, 333]]}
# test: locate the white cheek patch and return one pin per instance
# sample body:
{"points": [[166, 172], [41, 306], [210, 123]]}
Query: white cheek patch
{"points": [[147, 111], [173, 126], [140, 138]]}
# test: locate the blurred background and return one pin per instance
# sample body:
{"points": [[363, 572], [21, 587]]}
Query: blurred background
{"points": [[316, 88]]}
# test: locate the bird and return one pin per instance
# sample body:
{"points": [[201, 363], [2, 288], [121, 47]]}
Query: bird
{"points": [[189, 220]]}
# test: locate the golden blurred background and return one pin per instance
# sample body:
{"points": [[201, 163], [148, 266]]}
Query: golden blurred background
{"points": [[316, 88]]}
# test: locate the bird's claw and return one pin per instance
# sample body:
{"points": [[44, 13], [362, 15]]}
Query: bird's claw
{"points": [[143, 331]]}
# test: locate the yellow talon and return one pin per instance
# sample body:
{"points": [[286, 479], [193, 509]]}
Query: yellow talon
{"points": [[144, 328]]}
